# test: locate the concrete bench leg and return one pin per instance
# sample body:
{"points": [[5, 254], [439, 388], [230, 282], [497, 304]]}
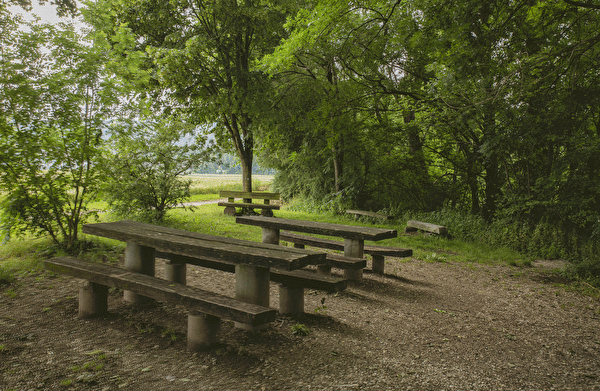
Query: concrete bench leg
{"points": [[139, 259], [93, 300], [229, 210], [266, 212], [252, 286], [270, 236], [378, 264], [354, 248], [203, 331], [291, 300], [175, 271], [324, 270]]}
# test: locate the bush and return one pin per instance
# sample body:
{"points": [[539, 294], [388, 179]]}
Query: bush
{"points": [[145, 167]]}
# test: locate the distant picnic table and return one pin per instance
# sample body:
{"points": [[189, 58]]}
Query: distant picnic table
{"points": [[354, 236]]}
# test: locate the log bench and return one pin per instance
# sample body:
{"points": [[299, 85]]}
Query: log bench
{"points": [[266, 207], [377, 252], [206, 308], [374, 215], [413, 225]]}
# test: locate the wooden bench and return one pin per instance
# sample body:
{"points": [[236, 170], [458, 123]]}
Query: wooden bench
{"points": [[354, 237], [181, 247], [373, 215], [266, 207], [206, 308], [377, 252], [413, 225], [293, 283]]}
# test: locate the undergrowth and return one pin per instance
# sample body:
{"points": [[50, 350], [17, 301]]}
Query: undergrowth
{"points": [[535, 241]]}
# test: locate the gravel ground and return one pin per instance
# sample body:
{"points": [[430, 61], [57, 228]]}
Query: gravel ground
{"points": [[421, 326]]}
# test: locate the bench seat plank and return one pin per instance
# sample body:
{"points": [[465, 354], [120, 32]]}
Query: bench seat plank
{"points": [[369, 214], [247, 195], [238, 252], [162, 290], [337, 245], [429, 227], [247, 205], [294, 278]]}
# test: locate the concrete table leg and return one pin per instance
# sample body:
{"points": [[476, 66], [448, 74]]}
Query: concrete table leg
{"points": [[378, 264], [203, 331], [270, 236], [93, 300], [175, 271], [252, 286], [139, 259], [291, 300], [354, 248]]}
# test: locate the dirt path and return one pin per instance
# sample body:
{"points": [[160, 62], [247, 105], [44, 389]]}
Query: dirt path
{"points": [[422, 326]]}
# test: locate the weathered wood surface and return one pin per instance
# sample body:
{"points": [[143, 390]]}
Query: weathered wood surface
{"points": [[217, 247], [318, 228], [294, 278], [434, 228], [369, 214], [342, 262], [337, 245], [162, 290], [247, 205], [249, 195]]}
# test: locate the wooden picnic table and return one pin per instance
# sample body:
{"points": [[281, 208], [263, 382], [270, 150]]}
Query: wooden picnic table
{"points": [[252, 259], [354, 236]]}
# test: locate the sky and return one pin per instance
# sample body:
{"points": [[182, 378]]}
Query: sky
{"points": [[46, 12]]}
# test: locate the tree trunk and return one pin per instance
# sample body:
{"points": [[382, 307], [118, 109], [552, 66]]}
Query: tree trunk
{"points": [[336, 170], [492, 172]]}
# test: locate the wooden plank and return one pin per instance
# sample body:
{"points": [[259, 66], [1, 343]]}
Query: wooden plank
{"points": [[311, 241], [318, 228], [247, 205], [294, 278], [221, 239], [244, 252], [343, 262], [166, 291], [434, 228], [254, 195], [339, 246], [369, 214]]}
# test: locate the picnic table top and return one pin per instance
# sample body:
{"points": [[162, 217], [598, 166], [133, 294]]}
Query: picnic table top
{"points": [[191, 244], [319, 228]]}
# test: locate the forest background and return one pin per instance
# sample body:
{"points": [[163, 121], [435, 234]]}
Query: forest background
{"points": [[481, 116]]}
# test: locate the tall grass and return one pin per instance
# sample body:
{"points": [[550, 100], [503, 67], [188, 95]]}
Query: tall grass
{"points": [[213, 184]]}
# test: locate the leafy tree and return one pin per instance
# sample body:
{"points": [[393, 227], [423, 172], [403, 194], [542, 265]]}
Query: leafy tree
{"points": [[204, 56], [145, 164], [54, 98]]}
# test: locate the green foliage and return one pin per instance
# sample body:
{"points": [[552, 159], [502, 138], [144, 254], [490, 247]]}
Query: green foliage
{"points": [[53, 100], [203, 58], [300, 329], [145, 166]]}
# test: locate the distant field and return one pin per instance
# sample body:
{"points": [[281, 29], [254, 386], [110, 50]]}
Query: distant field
{"points": [[213, 183]]}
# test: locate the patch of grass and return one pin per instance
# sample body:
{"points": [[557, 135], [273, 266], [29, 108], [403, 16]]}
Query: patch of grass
{"points": [[300, 329]]}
